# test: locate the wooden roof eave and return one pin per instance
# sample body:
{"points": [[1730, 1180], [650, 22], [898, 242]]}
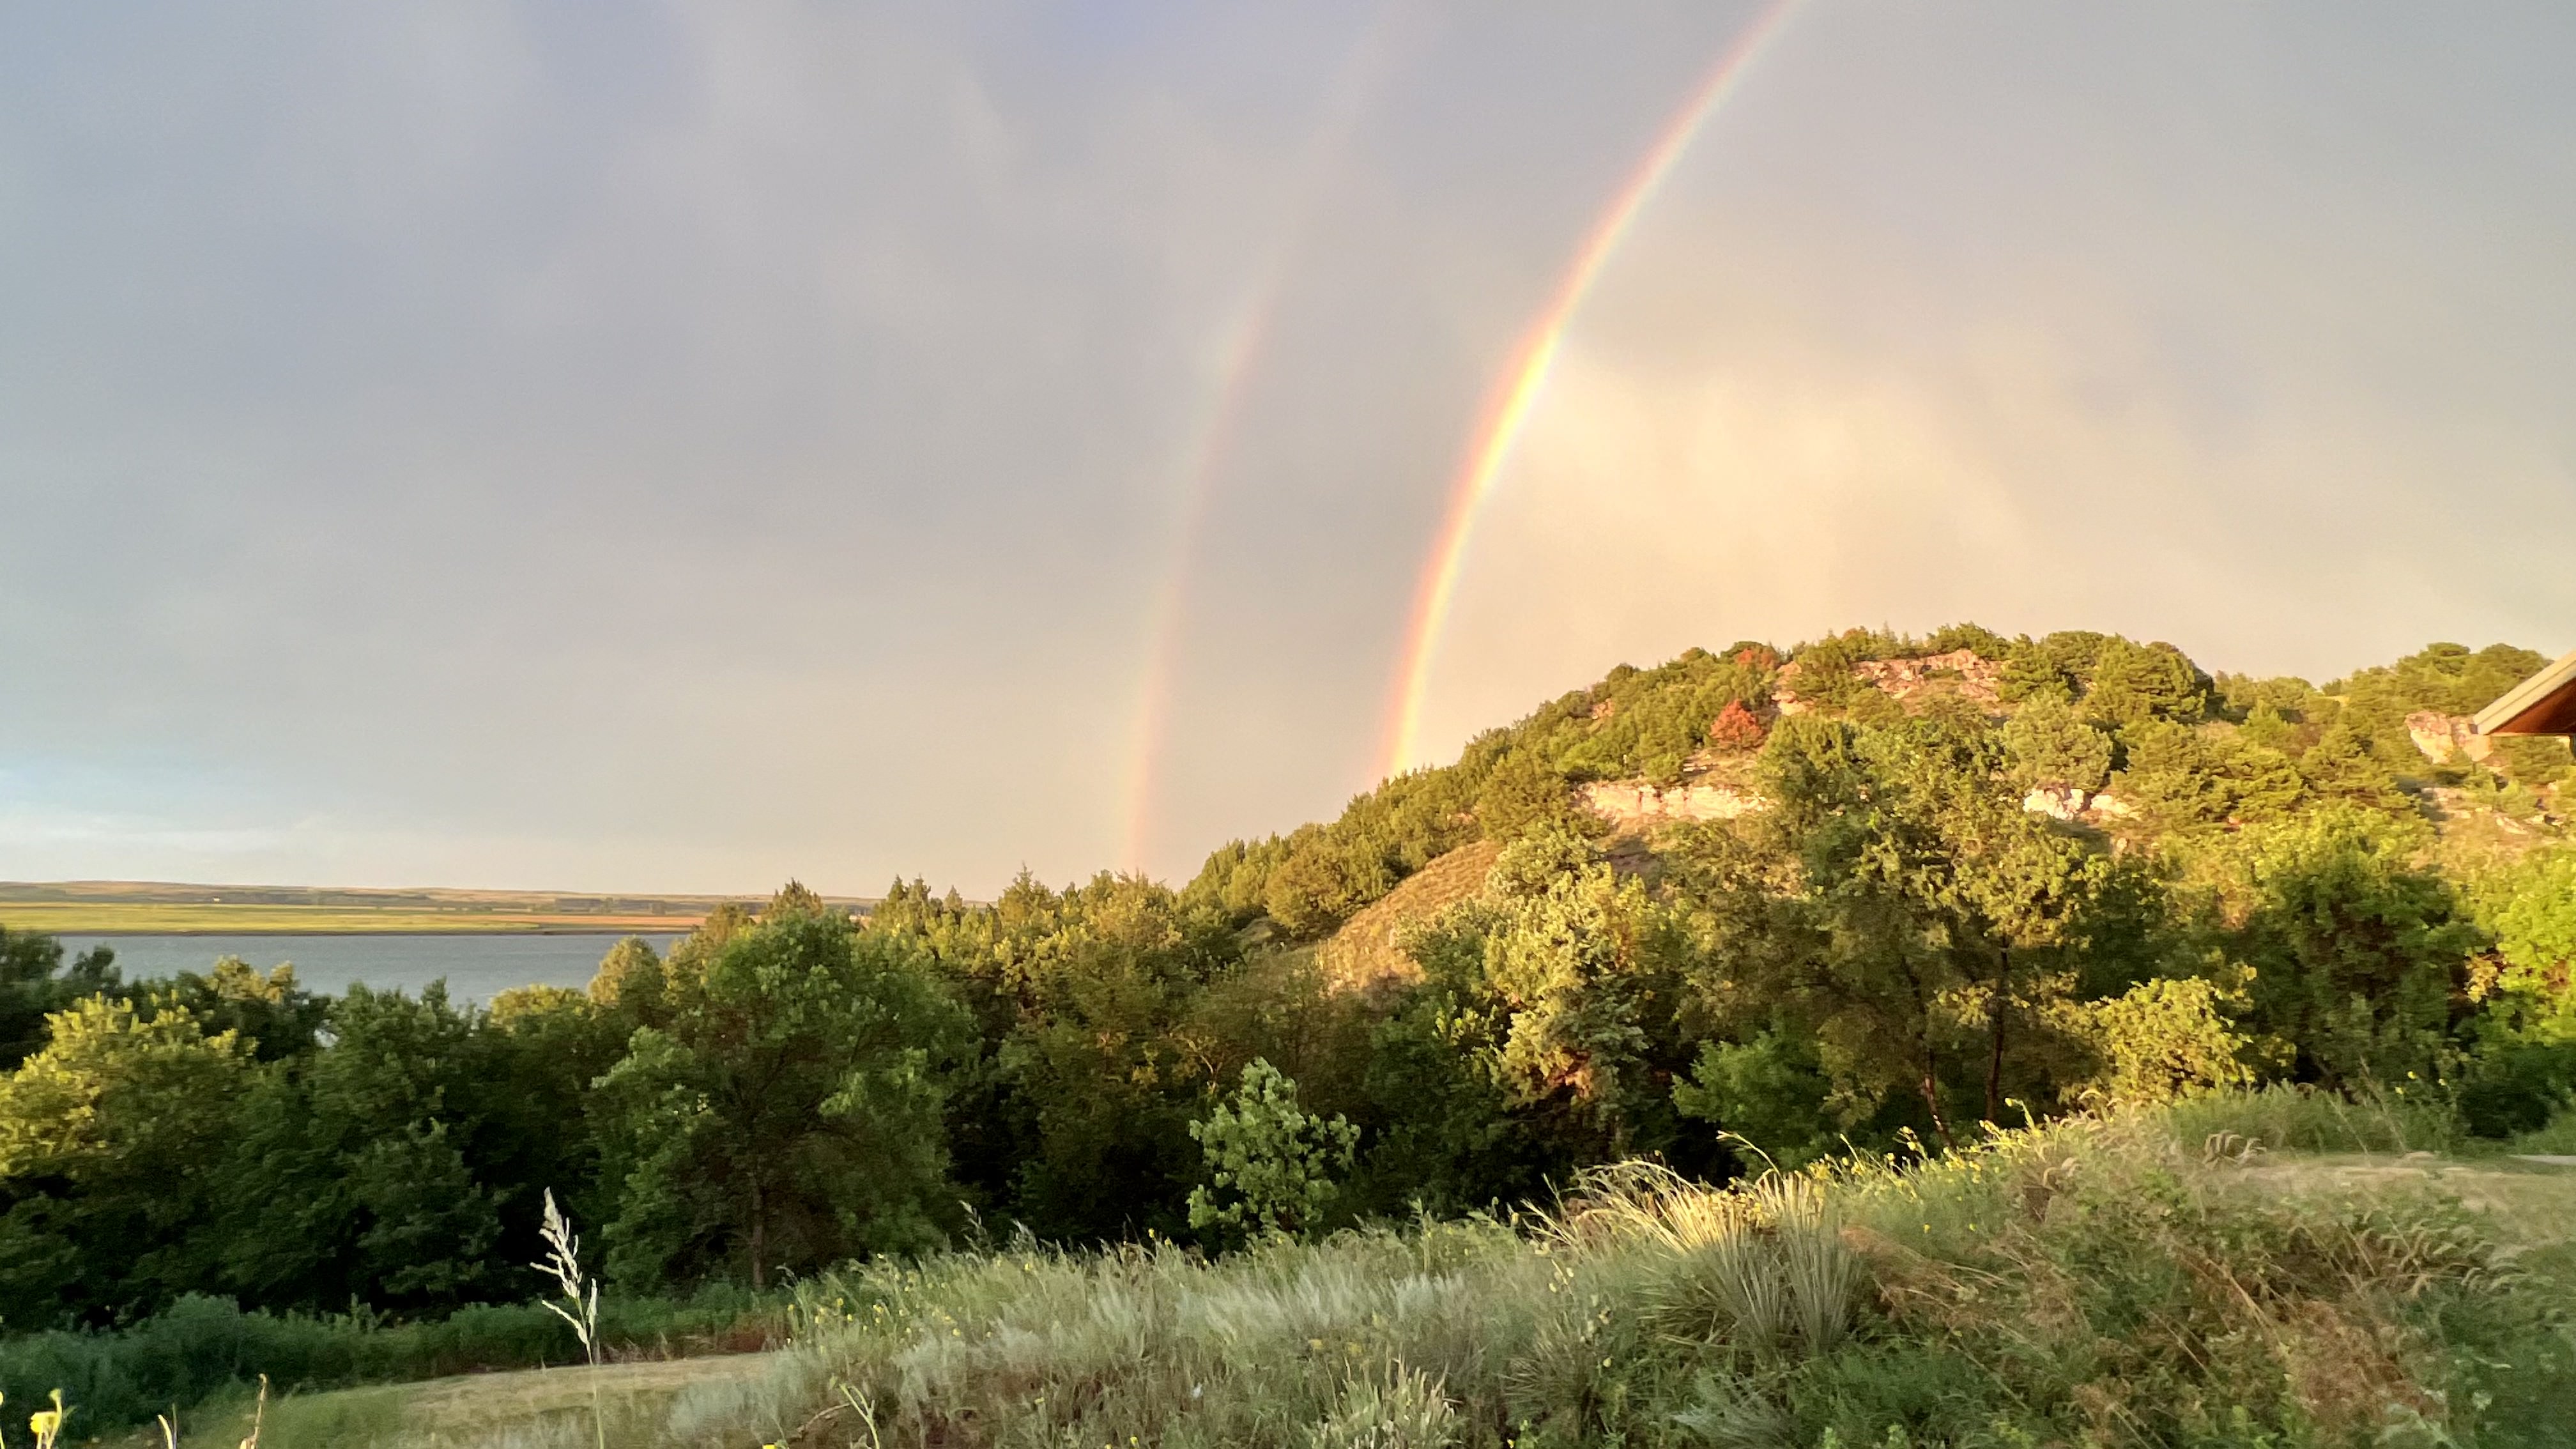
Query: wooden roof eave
{"points": [[2544, 704]]}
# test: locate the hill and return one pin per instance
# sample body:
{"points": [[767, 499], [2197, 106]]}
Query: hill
{"points": [[2157, 750]]}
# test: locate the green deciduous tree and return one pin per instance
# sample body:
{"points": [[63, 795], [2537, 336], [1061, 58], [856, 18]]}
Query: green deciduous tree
{"points": [[1272, 1166], [2167, 1039], [2529, 908], [1570, 960], [790, 1112], [1946, 914], [2359, 953], [108, 1141], [36, 982], [357, 1174], [272, 1014], [1771, 1090]]}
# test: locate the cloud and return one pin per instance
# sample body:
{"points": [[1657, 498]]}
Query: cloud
{"points": [[679, 446]]}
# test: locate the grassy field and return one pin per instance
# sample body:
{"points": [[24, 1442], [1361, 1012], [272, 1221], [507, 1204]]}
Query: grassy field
{"points": [[2170, 1279], [534, 1406]]}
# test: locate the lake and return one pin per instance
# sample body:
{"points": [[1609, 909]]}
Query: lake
{"points": [[476, 967]]}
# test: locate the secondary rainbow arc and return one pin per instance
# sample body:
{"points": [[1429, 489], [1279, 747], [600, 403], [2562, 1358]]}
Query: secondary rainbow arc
{"points": [[1238, 359]]}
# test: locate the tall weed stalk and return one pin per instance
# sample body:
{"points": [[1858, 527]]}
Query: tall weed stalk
{"points": [[563, 1262]]}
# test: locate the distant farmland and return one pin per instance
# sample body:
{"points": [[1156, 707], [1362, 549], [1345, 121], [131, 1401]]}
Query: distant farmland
{"points": [[155, 908]]}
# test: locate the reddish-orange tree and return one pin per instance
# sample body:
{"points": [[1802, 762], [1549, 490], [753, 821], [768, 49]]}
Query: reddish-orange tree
{"points": [[1736, 728]]}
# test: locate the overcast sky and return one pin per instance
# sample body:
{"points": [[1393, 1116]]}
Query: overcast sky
{"points": [[681, 446]]}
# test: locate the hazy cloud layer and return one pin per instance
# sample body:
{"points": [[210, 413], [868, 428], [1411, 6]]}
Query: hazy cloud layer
{"points": [[677, 447]]}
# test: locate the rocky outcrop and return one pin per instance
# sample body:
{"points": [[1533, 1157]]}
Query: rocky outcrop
{"points": [[1636, 804], [2058, 802], [2445, 737], [1963, 672], [2065, 802]]}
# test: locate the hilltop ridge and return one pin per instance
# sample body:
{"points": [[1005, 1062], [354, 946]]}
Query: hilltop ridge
{"points": [[2143, 743]]}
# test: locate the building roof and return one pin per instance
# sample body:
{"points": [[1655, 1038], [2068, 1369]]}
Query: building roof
{"points": [[2544, 704]]}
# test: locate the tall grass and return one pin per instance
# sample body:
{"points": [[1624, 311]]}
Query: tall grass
{"points": [[2300, 1118], [2092, 1282]]}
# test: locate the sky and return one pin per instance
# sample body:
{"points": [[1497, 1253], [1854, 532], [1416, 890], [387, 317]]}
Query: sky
{"points": [[684, 446]]}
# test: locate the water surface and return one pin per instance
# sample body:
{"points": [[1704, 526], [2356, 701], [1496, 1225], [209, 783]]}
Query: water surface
{"points": [[475, 966]]}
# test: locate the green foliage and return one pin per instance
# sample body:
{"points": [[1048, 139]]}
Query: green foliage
{"points": [[2167, 1039], [1976, 638], [1571, 956], [1889, 948], [790, 1112], [2050, 748], [2296, 1117], [1825, 673], [272, 1015], [2088, 1283], [2449, 678], [2058, 667], [2180, 779], [2530, 910], [1771, 1091], [2358, 952], [35, 982], [631, 983], [2134, 683], [108, 1141], [1272, 1166], [2348, 764], [2533, 761], [1318, 876], [1942, 915]]}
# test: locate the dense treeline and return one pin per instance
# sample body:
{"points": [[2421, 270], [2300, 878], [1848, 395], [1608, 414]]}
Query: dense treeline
{"points": [[2073, 868]]}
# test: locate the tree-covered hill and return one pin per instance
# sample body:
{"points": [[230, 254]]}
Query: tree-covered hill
{"points": [[2136, 738]]}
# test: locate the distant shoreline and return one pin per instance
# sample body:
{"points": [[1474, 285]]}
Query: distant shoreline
{"points": [[661, 928], [160, 908], [121, 918]]}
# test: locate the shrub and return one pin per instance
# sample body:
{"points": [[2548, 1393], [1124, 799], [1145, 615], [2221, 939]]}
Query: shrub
{"points": [[1273, 1167]]}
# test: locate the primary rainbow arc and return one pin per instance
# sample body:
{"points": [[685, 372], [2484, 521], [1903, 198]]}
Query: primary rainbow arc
{"points": [[1507, 413]]}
